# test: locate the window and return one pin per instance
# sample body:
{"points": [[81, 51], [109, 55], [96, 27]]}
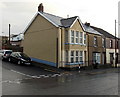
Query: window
{"points": [[76, 38], [72, 56], [96, 58], [95, 41], [77, 56], [81, 56], [111, 43], [72, 36], [81, 37], [103, 42], [84, 38], [66, 56]]}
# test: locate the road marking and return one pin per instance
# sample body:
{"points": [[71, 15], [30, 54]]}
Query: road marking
{"points": [[22, 73]]}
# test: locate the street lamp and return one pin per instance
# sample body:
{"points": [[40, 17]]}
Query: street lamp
{"points": [[116, 44]]}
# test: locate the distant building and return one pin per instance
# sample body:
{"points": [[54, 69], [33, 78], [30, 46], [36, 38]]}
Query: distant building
{"points": [[110, 46], [96, 46], [16, 39]]}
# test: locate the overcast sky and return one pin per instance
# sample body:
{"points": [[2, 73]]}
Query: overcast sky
{"points": [[99, 13]]}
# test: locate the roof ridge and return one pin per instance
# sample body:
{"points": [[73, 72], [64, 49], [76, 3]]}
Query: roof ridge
{"points": [[69, 18], [52, 14], [102, 30]]}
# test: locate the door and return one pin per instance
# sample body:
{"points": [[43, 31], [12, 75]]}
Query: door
{"points": [[111, 58]]}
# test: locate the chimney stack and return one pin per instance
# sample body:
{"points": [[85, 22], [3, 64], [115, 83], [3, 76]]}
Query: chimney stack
{"points": [[41, 8], [87, 24]]}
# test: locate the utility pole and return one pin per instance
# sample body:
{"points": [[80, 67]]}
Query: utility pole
{"points": [[115, 46], [9, 33]]}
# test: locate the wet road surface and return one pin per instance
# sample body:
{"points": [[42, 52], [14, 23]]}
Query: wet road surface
{"points": [[31, 80]]}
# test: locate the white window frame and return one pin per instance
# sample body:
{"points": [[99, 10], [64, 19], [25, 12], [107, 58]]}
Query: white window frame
{"points": [[81, 37], [95, 41], [72, 56], [85, 39], [81, 56], [77, 56], [72, 36], [77, 37], [97, 58], [111, 43]]}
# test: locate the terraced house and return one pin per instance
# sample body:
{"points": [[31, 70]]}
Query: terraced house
{"points": [[96, 46], [112, 47], [56, 41]]}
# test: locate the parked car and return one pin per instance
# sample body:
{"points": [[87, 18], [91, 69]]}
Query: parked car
{"points": [[19, 58], [5, 54]]}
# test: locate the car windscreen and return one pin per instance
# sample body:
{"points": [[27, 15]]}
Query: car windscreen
{"points": [[8, 52], [23, 55]]}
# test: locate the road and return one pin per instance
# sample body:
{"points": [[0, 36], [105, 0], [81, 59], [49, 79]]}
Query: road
{"points": [[31, 80]]}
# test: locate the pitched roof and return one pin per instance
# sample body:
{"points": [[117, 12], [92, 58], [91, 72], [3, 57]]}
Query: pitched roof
{"points": [[52, 18], [56, 20], [105, 33], [68, 21], [90, 30]]}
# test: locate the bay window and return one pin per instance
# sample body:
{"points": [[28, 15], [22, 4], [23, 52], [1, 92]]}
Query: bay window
{"points": [[81, 37]]}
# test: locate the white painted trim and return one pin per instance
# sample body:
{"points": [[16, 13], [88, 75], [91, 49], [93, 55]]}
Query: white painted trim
{"points": [[30, 23], [34, 18], [79, 21], [48, 19]]}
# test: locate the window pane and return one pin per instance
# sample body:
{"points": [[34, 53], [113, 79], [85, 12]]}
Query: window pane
{"points": [[81, 56], [81, 37], [72, 53]]}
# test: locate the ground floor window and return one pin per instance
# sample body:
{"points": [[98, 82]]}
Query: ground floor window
{"points": [[96, 58], [81, 56], [72, 56], [77, 56]]}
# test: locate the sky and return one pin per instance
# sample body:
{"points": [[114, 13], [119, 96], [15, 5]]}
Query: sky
{"points": [[18, 13]]}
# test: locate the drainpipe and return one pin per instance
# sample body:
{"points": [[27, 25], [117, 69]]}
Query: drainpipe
{"points": [[88, 48]]}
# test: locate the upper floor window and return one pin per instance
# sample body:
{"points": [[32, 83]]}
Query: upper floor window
{"points": [[76, 38], [84, 38], [95, 41], [72, 36], [81, 37], [103, 42], [111, 43]]}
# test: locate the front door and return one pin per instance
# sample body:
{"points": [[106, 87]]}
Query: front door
{"points": [[111, 58]]}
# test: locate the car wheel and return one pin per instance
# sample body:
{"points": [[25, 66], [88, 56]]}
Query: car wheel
{"points": [[19, 62], [9, 59]]}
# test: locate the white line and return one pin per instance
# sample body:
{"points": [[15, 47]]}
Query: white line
{"points": [[21, 73]]}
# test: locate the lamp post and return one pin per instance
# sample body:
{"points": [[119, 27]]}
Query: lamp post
{"points": [[9, 33], [115, 46]]}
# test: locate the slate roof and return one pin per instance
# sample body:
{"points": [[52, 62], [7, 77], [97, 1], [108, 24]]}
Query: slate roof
{"points": [[59, 21], [90, 30], [53, 18], [105, 33], [68, 22]]}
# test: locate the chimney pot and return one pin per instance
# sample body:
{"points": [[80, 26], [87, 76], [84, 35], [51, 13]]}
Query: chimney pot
{"points": [[41, 8]]}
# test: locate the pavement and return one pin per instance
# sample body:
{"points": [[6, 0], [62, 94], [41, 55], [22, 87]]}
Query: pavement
{"points": [[81, 71]]}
